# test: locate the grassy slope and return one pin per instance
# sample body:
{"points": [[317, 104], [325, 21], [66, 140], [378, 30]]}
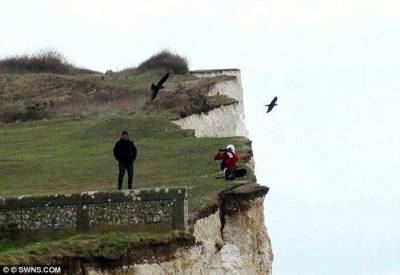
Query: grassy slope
{"points": [[37, 87], [76, 155], [72, 155], [77, 95]]}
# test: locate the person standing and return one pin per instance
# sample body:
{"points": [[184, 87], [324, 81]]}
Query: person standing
{"points": [[125, 153]]}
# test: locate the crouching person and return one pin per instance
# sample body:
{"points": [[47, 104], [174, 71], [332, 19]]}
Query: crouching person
{"points": [[125, 153], [228, 164]]}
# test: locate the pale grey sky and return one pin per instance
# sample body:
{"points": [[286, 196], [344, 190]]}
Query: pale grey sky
{"points": [[329, 151]]}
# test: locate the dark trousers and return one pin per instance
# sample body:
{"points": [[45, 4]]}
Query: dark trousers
{"points": [[122, 168], [232, 174]]}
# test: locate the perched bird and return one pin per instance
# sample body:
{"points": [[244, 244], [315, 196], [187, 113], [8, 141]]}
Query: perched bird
{"points": [[155, 88], [272, 104], [102, 78]]}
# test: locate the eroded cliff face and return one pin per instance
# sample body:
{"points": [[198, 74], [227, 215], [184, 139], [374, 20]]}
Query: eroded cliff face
{"points": [[245, 231], [226, 121], [236, 244], [220, 122]]}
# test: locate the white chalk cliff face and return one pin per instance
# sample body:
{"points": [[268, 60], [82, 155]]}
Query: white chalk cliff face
{"points": [[243, 247], [226, 121]]}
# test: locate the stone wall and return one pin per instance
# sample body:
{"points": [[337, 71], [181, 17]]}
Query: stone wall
{"points": [[91, 209]]}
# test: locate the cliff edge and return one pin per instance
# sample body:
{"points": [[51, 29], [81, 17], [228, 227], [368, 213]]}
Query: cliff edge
{"points": [[224, 121], [231, 237], [233, 240]]}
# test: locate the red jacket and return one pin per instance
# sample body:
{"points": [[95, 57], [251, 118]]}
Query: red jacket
{"points": [[227, 162]]}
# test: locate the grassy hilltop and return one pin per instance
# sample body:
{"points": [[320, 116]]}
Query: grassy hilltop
{"points": [[58, 128]]}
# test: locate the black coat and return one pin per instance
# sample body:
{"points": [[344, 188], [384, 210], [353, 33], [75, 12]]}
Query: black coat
{"points": [[125, 151]]}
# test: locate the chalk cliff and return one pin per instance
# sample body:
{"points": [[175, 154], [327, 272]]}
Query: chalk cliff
{"points": [[230, 238], [239, 246], [225, 121]]}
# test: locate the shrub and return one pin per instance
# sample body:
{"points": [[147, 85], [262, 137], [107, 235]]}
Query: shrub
{"points": [[10, 114], [14, 113], [166, 61], [50, 61]]}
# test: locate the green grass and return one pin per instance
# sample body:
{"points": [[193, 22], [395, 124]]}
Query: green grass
{"points": [[64, 156], [30, 88], [143, 80]]}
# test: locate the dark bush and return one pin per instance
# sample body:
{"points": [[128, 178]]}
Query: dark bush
{"points": [[166, 61], [49, 61], [11, 114]]}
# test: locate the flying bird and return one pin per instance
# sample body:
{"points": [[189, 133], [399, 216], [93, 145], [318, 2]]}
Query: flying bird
{"points": [[155, 88], [272, 104]]}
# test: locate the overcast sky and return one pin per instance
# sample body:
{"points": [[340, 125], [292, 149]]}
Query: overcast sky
{"points": [[329, 151]]}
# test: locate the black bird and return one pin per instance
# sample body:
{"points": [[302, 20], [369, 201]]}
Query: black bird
{"points": [[156, 88], [272, 104]]}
